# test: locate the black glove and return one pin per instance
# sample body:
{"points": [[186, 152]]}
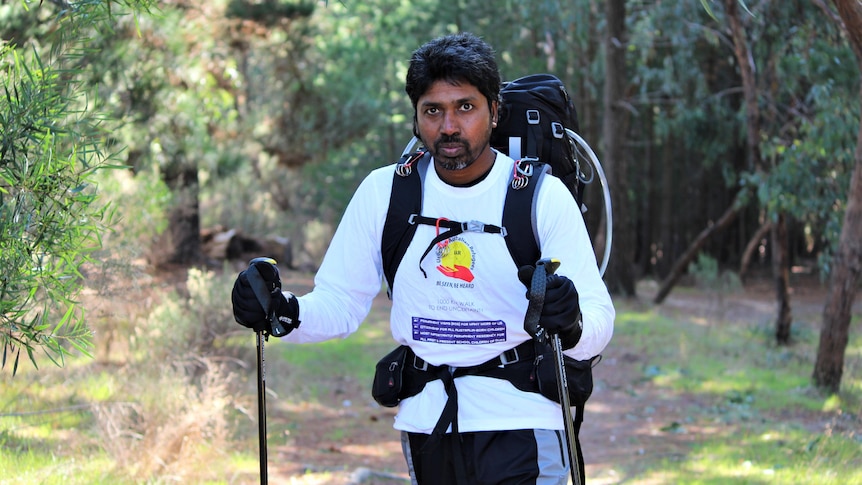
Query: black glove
{"points": [[561, 313], [247, 309]]}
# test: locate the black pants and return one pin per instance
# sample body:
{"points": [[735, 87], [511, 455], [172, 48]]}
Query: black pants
{"points": [[519, 457]]}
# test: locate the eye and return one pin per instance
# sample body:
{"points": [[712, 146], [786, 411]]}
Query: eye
{"points": [[431, 111], [466, 106]]}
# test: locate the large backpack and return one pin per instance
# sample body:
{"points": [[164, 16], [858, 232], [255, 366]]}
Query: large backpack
{"points": [[534, 114]]}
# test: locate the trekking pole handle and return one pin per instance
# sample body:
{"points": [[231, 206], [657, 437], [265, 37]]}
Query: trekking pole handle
{"points": [[263, 293], [538, 284]]}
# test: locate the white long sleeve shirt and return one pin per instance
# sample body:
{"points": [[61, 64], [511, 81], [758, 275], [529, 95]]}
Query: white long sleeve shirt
{"points": [[470, 307]]}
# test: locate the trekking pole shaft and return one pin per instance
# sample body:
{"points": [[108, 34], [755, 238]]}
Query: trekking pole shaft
{"points": [[261, 405], [565, 405]]}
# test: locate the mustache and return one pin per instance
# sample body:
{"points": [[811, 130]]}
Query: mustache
{"points": [[449, 139]]}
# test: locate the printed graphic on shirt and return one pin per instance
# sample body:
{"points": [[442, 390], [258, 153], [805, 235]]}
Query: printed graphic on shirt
{"points": [[455, 259], [453, 305], [455, 332]]}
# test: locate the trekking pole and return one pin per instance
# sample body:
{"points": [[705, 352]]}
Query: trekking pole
{"points": [[261, 406], [545, 267], [264, 296]]}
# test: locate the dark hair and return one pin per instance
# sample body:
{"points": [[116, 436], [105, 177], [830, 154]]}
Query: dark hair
{"points": [[461, 57]]}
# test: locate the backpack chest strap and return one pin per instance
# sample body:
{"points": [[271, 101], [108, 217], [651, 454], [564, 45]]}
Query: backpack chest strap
{"points": [[453, 228]]}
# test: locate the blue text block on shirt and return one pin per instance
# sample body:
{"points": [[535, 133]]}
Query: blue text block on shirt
{"points": [[455, 332]]}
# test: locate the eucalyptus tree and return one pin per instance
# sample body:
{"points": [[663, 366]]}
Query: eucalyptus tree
{"points": [[51, 144], [847, 269]]}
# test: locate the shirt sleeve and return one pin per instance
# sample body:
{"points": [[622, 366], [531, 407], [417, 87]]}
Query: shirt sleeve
{"points": [[350, 275], [563, 236]]}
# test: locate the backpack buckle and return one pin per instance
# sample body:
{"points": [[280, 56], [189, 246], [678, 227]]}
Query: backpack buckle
{"points": [[558, 130], [419, 363], [533, 117], [473, 226], [510, 356]]}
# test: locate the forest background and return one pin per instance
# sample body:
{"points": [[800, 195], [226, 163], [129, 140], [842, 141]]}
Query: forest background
{"points": [[149, 149]]}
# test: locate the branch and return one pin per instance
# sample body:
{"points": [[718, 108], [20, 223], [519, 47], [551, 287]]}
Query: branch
{"points": [[833, 15], [682, 263]]}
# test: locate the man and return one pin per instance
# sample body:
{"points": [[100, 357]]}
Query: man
{"points": [[464, 304]]}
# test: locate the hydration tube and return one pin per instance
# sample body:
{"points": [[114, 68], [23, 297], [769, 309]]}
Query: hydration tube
{"points": [[606, 192]]}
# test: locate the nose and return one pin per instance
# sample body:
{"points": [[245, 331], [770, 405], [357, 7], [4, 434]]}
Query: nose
{"points": [[450, 125]]}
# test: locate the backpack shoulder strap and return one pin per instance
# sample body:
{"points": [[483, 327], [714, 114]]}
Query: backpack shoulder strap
{"points": [[519, 212], [404, 200]]}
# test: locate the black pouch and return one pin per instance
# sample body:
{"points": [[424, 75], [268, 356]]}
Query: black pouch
{"points": [[579, 377], [389, 377]]}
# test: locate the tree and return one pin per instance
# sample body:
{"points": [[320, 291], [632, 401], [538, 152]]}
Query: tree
{"points": [[778, 228], [847, 268], [51, 145], [620, 276]]}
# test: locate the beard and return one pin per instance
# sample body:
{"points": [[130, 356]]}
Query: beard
{"points": [[459, 162], [466, 156]]}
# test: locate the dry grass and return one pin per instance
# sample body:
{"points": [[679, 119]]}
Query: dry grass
{"points": [[173, 428]]}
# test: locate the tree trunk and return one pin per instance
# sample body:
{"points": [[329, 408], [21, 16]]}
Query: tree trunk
{"points": [[620, 274], [749, 84], [668, 236], [844, 279], [180, 244], [781, 273]]}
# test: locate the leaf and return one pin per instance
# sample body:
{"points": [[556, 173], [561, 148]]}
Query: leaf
{"points": [[82, 346], [708, 8], [15, 365]]}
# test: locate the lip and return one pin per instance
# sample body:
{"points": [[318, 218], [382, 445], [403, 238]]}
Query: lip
{"points": [[451, 149]]}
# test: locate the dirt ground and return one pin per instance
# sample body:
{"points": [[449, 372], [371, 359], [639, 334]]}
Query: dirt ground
{"points": [[344, 442]]}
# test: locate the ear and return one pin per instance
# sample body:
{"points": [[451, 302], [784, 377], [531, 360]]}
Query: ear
{"points": [[416, 127], [494, 113]]}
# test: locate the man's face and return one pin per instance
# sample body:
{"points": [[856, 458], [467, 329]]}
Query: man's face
{"points": [[455, 122]]}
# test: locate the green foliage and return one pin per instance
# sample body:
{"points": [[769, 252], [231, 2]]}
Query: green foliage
{"points": [[49, 220], [812, 163], [268, 12], [139, 202], [179, 329], [51, 146], [707, 274], [683, 74]]}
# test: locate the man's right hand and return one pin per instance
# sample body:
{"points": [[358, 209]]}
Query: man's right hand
{"points": [[247, 309]]}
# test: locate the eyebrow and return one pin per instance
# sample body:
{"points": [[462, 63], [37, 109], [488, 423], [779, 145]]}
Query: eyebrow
{"points": [[460, 101]]}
